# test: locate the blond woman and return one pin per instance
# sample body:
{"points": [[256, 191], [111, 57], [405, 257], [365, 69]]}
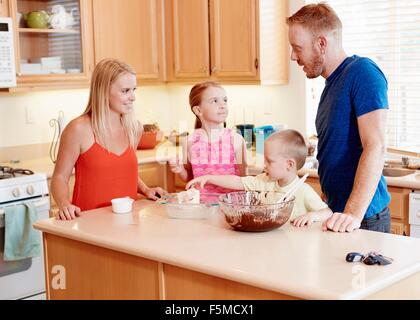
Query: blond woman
{"points": [[100, 144]]}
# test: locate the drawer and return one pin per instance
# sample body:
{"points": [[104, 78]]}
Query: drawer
{"points": [[399, 202], [399, 228]]}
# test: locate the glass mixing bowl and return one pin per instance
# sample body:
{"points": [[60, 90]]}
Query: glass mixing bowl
{"points": [[255, 211], [208, 205]]}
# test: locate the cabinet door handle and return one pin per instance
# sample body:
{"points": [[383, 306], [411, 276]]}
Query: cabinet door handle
{"points": [[214, 70]]}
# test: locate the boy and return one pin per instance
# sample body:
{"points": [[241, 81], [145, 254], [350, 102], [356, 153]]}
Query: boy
{"points": [[284, 154]]}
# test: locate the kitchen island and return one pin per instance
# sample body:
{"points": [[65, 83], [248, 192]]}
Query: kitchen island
{"points": [[145, 255]]}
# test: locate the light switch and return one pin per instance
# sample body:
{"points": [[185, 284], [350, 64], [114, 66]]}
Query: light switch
{"points": [[30, 119]]}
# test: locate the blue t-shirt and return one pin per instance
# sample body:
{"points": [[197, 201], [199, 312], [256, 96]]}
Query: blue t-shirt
{"points": [[355, 88]]}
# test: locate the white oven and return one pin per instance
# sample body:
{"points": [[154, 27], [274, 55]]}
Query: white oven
{"points": [[23, 279]]}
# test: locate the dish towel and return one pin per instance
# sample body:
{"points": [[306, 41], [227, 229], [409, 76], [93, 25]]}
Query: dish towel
{"points": [[21, 240]]}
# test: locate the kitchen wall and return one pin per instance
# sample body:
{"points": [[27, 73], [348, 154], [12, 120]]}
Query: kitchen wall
{"points": [[24, 117]]}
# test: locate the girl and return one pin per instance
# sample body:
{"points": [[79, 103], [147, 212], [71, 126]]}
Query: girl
{"points": [[211, 149], [100, 145]]}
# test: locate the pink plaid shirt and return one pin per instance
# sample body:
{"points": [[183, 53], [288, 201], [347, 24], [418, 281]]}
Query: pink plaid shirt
{"points": [[213, 158]]}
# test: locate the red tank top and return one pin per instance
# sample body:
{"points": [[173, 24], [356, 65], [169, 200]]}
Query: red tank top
{"points": [[102, 175]]}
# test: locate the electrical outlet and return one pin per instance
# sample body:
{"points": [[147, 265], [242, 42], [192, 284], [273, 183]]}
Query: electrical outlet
{"points": [[268, 107], [30, 119]]}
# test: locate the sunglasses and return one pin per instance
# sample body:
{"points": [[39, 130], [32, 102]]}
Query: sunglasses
{"points": [[369, 259]]}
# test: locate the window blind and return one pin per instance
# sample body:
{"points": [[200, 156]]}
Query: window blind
{"points": [[388, 32]]}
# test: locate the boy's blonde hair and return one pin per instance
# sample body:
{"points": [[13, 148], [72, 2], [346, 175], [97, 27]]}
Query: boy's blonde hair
{"points": [[104, 75], [291, 144]]}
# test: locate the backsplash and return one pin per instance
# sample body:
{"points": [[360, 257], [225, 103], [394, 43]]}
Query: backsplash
{"points": [[24, 117]]}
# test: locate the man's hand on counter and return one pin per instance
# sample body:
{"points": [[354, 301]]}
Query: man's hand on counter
{"points": [[342, 222]]}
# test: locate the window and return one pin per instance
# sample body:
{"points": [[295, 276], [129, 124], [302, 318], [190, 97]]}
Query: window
{"points": [[388, 32]]}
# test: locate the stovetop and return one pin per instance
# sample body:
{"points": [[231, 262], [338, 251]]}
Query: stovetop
{"points": [[17, 184], [9, 172]]}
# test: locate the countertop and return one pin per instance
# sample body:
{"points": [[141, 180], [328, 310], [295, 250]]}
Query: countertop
{"points": [[301, 262], [411, 181]]}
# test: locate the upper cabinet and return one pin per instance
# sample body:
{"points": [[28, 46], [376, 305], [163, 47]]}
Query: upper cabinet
{"points": [[58, 42], [232, 41], [4, 8], [187, 39], [131, 31], [52, 44]]}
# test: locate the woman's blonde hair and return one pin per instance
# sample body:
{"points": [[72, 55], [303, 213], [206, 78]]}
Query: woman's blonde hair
{"points": [[196, 95], [104, 75]]}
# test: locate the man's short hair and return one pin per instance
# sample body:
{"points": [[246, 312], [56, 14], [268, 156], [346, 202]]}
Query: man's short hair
{"points": [[316, 17]]}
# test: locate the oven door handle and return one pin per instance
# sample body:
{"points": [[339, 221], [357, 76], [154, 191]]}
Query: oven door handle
{"points": [[37, 204]]}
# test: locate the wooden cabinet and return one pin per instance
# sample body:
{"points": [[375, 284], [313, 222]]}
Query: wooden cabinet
{"points": [[179, 184], [48, 58], [238, 41], [157, 175], [398, 206], [399, 202], [4, 8], [230, 41], [187, 39], [234, 39], [152, 174], [399, 210], [314, 183], [399, 228], [131, 31]]}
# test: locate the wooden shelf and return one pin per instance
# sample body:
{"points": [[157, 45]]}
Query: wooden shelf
{"points": [[59, 31]]}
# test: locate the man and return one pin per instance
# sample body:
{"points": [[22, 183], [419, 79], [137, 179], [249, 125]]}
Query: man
{"points": [[350, 122]]}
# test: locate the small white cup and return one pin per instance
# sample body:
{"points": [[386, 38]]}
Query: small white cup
{"points": [[122, 205]]}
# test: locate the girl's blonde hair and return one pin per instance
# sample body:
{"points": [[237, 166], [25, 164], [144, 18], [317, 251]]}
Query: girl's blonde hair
{"points": [[104, 75], [196, 94]]}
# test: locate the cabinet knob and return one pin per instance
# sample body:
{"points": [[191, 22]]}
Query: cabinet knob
{"points": [[204, 70], [214, 70]]}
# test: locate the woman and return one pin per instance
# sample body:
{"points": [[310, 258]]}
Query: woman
{"points": [[100, 145]]}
